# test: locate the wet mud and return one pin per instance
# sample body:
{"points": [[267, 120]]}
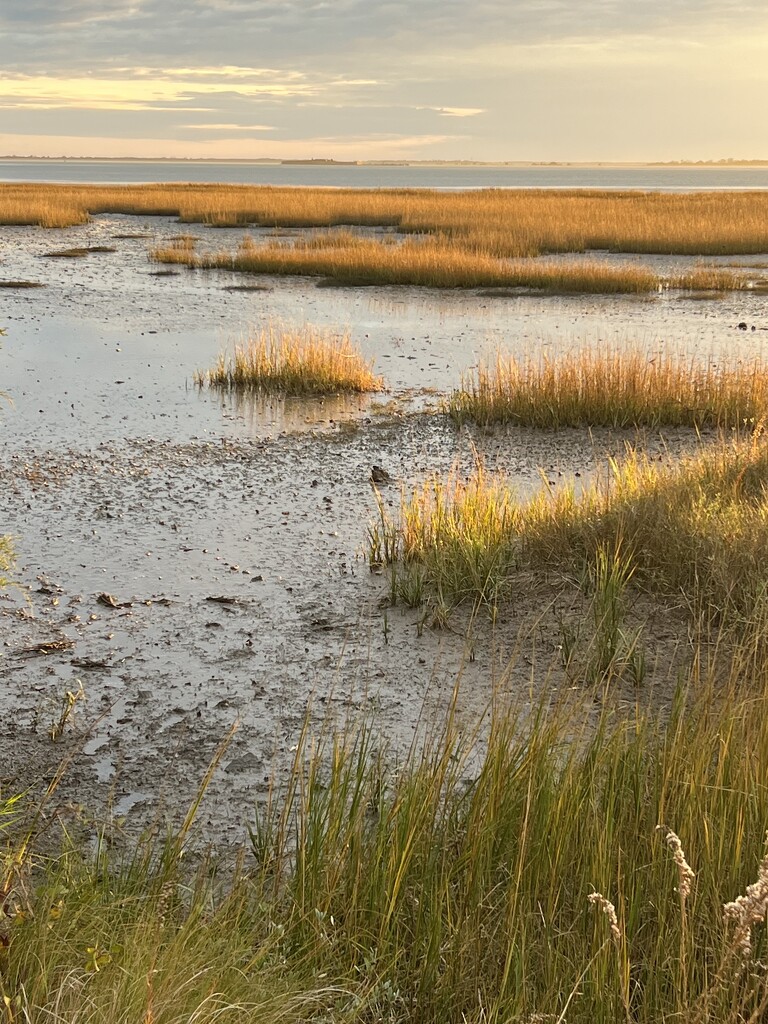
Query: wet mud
{"points": [[188, 560]]}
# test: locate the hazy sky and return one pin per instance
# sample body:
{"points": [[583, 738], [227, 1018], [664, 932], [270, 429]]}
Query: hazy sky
{"points": [[368, 79]]}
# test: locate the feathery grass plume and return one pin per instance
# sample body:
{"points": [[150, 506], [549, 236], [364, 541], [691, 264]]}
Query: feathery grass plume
{"points": [[297, 361], [619, 388], [748, 910], [685, 879], [602, 903], [685, 872]]}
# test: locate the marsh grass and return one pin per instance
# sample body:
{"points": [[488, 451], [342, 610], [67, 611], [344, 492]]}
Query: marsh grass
{"points": [[7, 559], [620, 388], [342, 258], [453, 888], [695, 532], [498, 222], [305, 361]]}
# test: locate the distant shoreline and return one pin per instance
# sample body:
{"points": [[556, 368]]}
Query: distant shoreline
{"points": [[269, 162]]}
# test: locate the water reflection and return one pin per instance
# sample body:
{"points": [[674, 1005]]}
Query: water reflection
{"points": [[266, 415]]}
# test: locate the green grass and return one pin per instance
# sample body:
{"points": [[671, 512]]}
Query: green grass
{"points": [[305, 361], [472, 880], [695, 531], [619, 388], [453, 890]]}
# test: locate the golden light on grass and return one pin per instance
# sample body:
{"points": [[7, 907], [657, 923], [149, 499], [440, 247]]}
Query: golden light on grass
{"points": [[303, 361], [617, 388], [505, 223], [352, 260], [7, 556], [696, 529]]}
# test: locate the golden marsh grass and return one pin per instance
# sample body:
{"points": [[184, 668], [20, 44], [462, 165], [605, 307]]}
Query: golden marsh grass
{"points": [[497, 222], [347, 259], [305, 361], [618, 388]]}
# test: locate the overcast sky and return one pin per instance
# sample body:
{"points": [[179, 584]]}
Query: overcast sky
{"points": [[385, 79]]}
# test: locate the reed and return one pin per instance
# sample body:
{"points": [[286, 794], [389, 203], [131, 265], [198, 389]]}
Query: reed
{"points": [[306, 361], [619, 388]]}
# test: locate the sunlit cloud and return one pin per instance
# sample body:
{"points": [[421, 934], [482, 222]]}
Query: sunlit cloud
{"points": [[357, 147], [457, 111], [597, 79], [144, 89], [230, 127]]}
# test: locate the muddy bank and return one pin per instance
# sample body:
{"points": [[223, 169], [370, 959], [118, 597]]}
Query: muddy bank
{"points": [[187, 586], [194, 560]]}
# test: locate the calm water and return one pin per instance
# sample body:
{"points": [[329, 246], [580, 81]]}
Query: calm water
{"points": [[674, 179]]}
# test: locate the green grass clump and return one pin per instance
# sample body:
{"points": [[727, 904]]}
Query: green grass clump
{"points": [[696, 530], [457, 889], [307, 361], [618, 389]]}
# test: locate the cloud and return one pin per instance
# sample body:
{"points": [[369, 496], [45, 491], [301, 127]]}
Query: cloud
{"points": [[229, 127], [457, 111], [147, 89], [98, 32], [326, 147], [551, 78]]}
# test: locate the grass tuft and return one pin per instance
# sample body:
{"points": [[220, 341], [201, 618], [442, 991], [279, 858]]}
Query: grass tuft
{"points": [[7, 559], [696, 531], [307, 361], [613, 388]]}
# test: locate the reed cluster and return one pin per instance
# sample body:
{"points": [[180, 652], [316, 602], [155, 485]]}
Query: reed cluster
{"points": [[620, 388], [498, 222], [695, 531], [305, 361], [513, 873]]}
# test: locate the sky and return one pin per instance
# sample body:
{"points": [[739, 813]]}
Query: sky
{"points": [[527, 80]]}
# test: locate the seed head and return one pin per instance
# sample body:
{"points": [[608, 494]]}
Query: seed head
{"points": [[598, 900], [685, 872], [749, 909]]}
